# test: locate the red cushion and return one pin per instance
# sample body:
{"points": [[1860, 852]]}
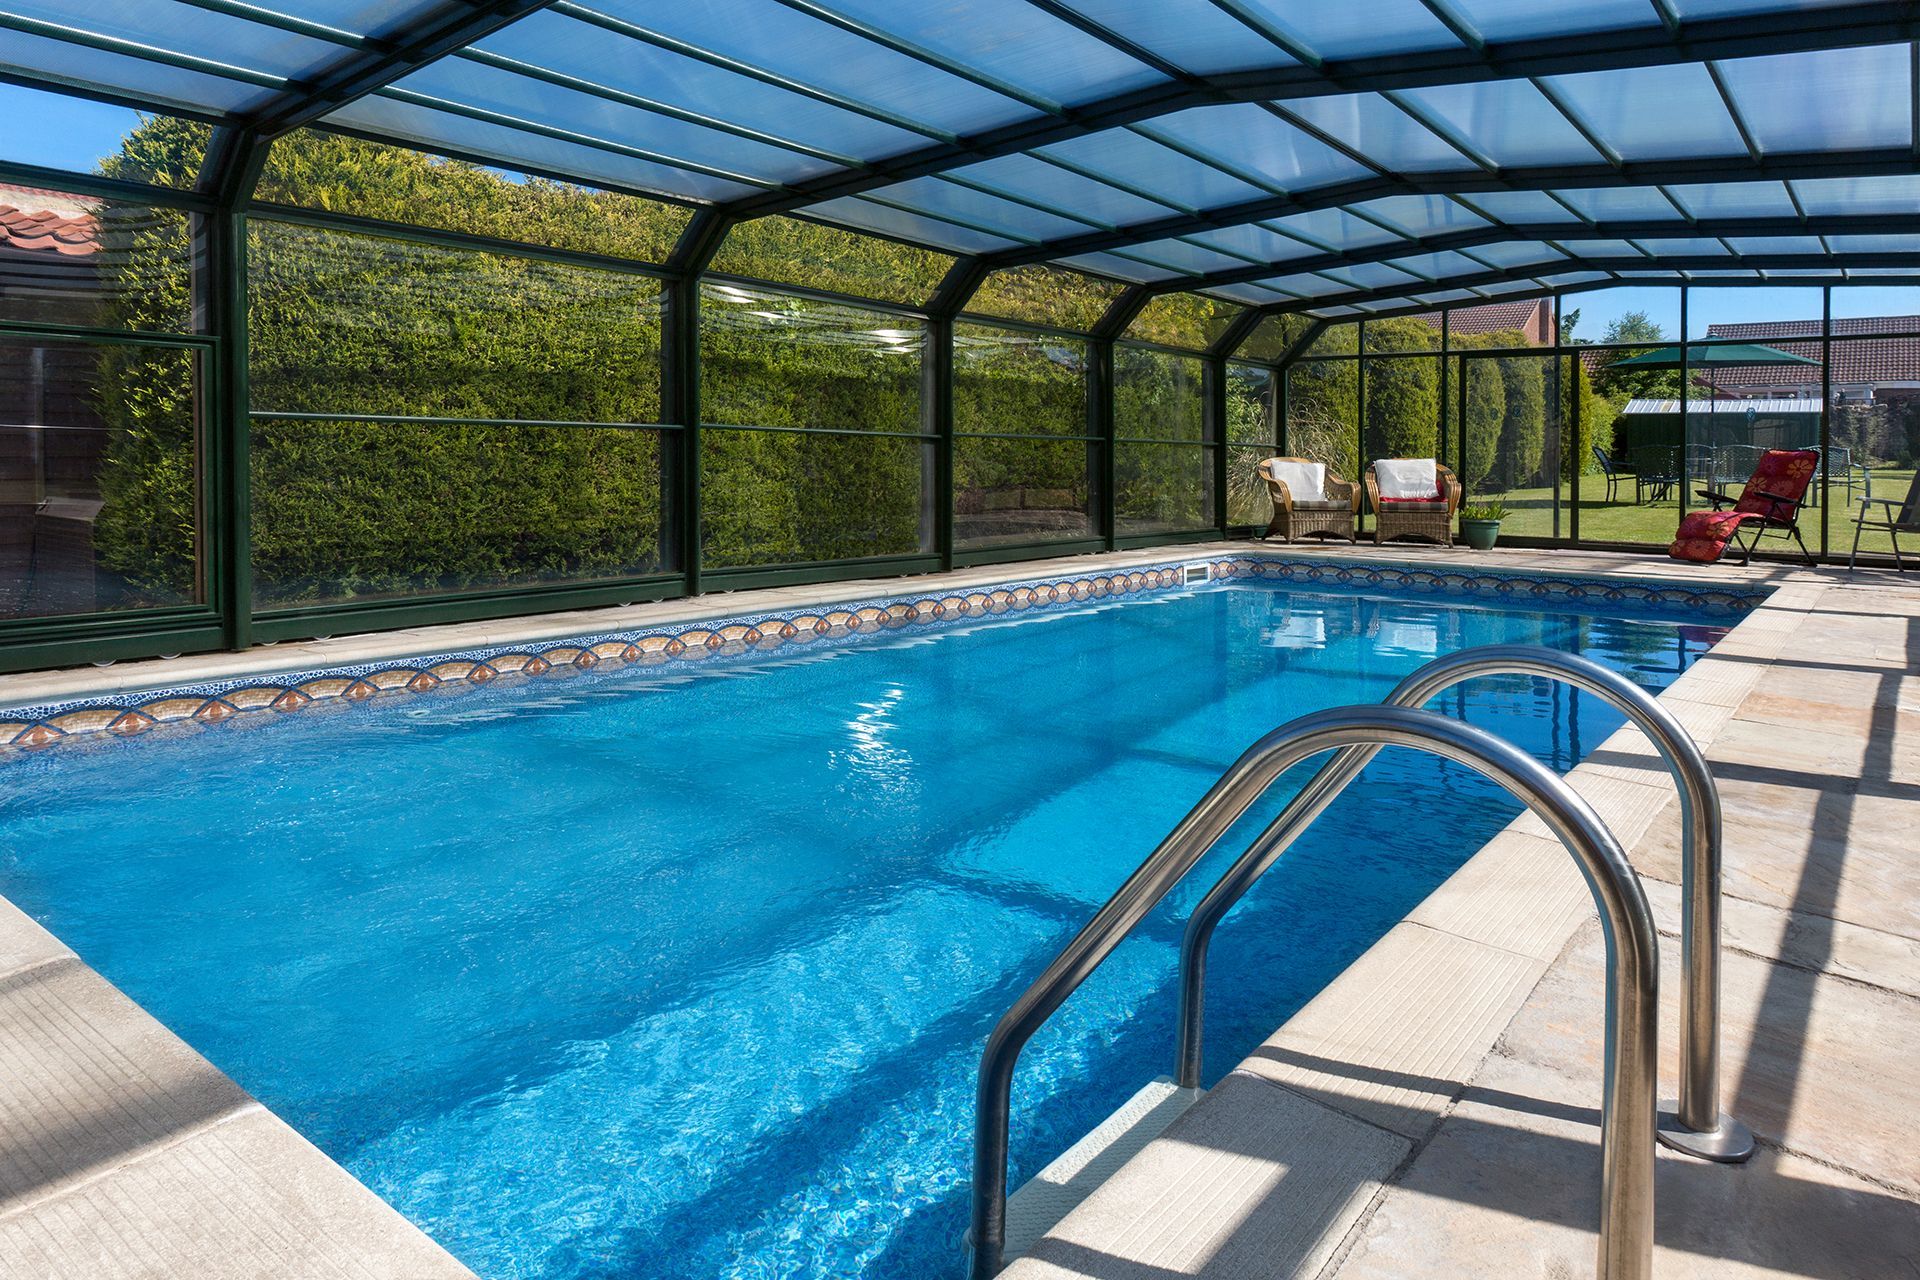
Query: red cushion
{"points": [[1703, 535], [1435, 496]]}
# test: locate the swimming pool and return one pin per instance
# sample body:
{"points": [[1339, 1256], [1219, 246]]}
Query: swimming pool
{"points": [[685, 971]]}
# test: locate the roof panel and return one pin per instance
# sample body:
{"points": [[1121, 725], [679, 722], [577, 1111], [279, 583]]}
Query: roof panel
{"points": [[1440, 266], [1828, 100], [1187, 257], [1377, 129], [1373, 275], [1150, 166], [1376, 29], [791, 44], [1501, 20], [1622, 204], [1508, 121], [1198, 36], [1035, 179], [1654, 113], [1255, 242], [1421, 215], [525, 98], [1777, 244], [1891, 193], [1875, 244], [1521, 206], [178, 28], [1601, 249], [1335, 228], [516, 148], [1517, 253], [1253, 139], [1009, 40], [1119, 268], [1312, 285], [945, 199], [134, 77], [864, 215], [1735, 200], [1251, 294], [573, 48]]}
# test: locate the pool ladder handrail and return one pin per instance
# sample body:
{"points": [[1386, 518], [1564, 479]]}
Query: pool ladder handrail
{"points": [[1696, 1125], [1632, 958]]}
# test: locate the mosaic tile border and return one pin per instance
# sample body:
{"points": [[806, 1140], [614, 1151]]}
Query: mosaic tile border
{"points": [[136, 712]]}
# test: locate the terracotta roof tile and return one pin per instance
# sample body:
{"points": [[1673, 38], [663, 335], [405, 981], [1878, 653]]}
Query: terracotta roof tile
{"points": [[71, 229], [1881, 360]]}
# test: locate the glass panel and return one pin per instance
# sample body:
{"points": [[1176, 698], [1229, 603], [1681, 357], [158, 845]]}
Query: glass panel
{"points": [[1825, 100], [1503, 324], [1250, 404], [1323, 414], [1403, 333], [1189, 320], [1045, 295], [1248, 500], [1336, 340], [359, 511], [1162, 488], [794, 251], [1647, 313], [99, 478], [1874, 431], [1402, 406], [787, 498], [1756, 316], [774, 360], [343, 322], [1510, 450], [1022, 383], [1157, 396], [1007, 492], [319, 170], [72, 259], [1273, 337], [84, 136], [1865, 309]]}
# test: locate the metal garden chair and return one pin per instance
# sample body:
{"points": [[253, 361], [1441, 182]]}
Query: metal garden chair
{"points": [[1896, 518]]}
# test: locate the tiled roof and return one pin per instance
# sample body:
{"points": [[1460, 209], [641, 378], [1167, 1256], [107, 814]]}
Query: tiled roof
{"points": [[1494, 317], [1881, 360], [48, 222]]}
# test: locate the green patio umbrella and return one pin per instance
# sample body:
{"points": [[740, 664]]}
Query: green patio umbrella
{"points": [[1730, 353]]}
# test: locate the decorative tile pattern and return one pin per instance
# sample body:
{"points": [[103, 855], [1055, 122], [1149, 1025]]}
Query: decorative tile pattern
{"points": [[27, 729]]}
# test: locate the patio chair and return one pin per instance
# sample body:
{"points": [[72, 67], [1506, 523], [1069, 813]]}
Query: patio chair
{"points": [[1307, 498], [1654, 467], [1412, 498], [1770, 504], [1611, 472], [1895, 517]]}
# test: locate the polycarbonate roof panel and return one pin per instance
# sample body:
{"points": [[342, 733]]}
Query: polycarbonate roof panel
{"points": [[1509, 122], [1735, 200], [1335, 229], [1317, 286], [1256, 242], [1186, 257], [518, 149], [1602, 249], [362, 17], [1251, 138], [1504, 20], [814, 53], [943, 199], [1517, 253], [1690, 10], [1777, 244], [1621, 204], [1374, 127], [1566, 278], [1150, 166], [1009, 40], [1251, 294], [1372, 275], [1837, 197], [1875, 244], [1200, 37], [1693, 119], [179, 29], [135, 77], [1685, 247], [1107, 264], [1422, 215], [1829, 100], [1035, 179], [524, 98], [864, 215], [555, 42], [1332, 30], [1521, 206], [1440, 266]]}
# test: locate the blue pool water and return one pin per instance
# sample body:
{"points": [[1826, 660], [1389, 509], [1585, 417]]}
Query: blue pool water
{"points": [[685, 973]]}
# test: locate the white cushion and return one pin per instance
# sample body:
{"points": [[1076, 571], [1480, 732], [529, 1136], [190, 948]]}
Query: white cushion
{"points": [[1305, 481], [1407, 477]]}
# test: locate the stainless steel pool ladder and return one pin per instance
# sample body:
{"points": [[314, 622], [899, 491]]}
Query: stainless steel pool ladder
{"points": [[1627, 1108]]}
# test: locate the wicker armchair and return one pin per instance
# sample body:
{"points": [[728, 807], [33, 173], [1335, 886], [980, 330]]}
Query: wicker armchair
{"points": [[1403, 518], [1333, 515]]}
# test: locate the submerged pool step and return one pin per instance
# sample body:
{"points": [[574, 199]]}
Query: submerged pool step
{"points": [[1077, 1172]]}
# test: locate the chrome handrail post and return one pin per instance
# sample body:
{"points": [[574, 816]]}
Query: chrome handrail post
{"points": [[1698, 1127], [1633, 969]]}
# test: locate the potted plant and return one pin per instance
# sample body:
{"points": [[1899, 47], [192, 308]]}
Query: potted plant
{"points": [[1480, 525]]}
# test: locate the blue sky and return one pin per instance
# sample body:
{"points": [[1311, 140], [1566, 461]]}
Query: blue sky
{"points": [[59, 132]]}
